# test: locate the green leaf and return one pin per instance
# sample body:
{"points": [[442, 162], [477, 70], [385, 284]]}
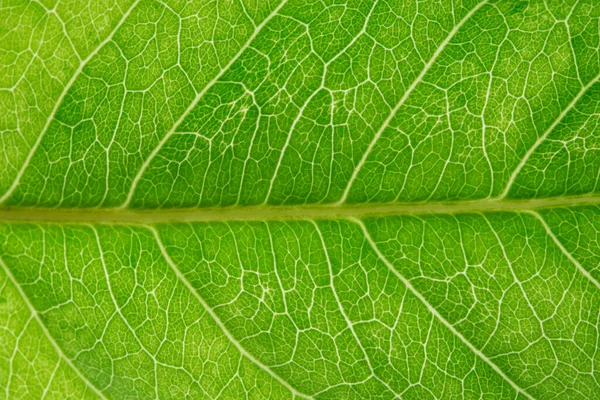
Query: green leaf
{"points": [[300, 199]]}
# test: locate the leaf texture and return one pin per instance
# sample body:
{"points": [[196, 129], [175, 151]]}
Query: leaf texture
{"points": [[299, 199]]}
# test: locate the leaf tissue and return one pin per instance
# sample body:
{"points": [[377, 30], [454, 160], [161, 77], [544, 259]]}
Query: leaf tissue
{"points": [[301, 199]]}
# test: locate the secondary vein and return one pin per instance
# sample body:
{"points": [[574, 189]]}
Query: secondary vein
{"points": [[406, 95], [47, 334], [218, 321], [66, 89], [431, 309]]}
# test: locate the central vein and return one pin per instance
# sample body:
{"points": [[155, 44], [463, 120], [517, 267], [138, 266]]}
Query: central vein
{"points": [[282, 212]]}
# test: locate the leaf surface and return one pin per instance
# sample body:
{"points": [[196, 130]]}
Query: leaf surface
{"points": [[298, 199]]}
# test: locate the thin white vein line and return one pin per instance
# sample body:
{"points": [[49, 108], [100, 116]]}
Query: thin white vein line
{"points": [[47, 388], [210, 311], [197, 99], [514, 275], [349, 323], [118, 310], [312, 96], [431, 309], [539, 141], [59, 101], [45, 330], [403, 100], [563, 249]]}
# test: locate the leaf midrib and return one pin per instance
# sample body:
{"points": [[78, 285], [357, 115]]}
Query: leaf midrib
{"points": [[284, 212]]}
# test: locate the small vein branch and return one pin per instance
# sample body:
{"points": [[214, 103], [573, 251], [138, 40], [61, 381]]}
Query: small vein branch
{"points": [[437, 315], [405, 97], [563, 249], [541, 139], [214, 316], [59, 101], [196, 100], [36, 315]]}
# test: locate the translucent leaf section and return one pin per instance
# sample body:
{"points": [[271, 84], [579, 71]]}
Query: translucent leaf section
{"points": [[117, 310], [31, 366], [206, 103], [43, 45], [122, 100], [579, 231], [505, 284], [459, 306]]}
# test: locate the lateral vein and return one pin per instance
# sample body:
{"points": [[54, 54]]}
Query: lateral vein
{"points": [[542, 138], [218, 321], [60, 99], [267, 213], [196, 100], [563, 249], [35, 314], [393, 112], [431, 309]]}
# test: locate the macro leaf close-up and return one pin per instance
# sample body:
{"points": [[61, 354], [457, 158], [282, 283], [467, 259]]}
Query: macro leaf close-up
{"points": [[300, 199]]}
